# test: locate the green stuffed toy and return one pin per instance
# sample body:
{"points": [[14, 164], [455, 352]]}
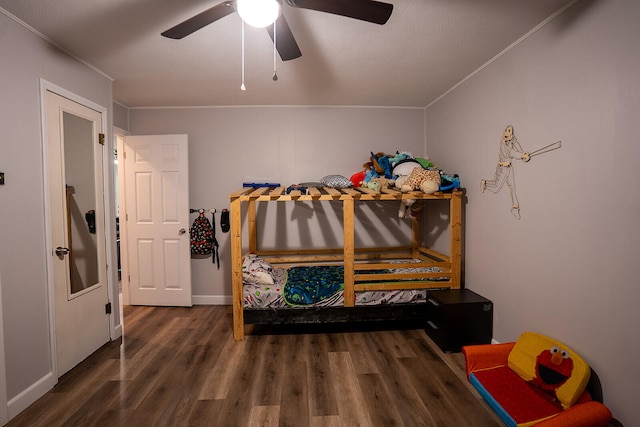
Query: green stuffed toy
{"points": [[378, 183]]}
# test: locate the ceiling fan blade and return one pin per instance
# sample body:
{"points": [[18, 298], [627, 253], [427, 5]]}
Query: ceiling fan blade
{"points": [[365, 10], [285, 42], [203, 19]]}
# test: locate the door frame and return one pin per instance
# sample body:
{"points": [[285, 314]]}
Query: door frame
{"points": [[119, 135], [115, 326]]}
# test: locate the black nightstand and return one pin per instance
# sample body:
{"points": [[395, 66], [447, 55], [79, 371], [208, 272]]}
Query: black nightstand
{"points": [[458, 317]]}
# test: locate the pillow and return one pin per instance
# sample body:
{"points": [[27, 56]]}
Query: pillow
{"points": [[336, 181], [311, 184], [405, 167], [256, 270], [551, 366]]}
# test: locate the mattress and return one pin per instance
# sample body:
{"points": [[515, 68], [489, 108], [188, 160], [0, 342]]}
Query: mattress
{"points": [[322, 286]]}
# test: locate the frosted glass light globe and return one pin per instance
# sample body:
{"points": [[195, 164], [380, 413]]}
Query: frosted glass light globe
{"points": [[258, 13]]}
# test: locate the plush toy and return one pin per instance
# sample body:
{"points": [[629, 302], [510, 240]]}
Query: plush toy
{"points": [[449, 182], [426, 180], [405, 205], [381, 164], [358, 178], [410, 208], [378, 183], [400, 181], [386, 166], [368, 176], [425, 162], [404, 167], [374, 161], [400, 155]]}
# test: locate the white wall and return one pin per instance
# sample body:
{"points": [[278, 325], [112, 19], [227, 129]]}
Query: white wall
{"points": [[288, 145], [567, 268], [26, 59]]}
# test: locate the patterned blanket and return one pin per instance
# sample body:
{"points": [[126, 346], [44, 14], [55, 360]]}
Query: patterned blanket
{"points": [[323, 286], [311, 285]]}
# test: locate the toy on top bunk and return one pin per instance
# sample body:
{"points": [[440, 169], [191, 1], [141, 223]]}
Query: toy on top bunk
{"points": [[400, 166], [333, 181], [449, 182], [378, 184], [426, 180], [378, 166], [410, 208], [406, 173]]}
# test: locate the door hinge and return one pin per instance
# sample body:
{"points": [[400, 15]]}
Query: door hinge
{"points": [[107, 308], [101, 138]]}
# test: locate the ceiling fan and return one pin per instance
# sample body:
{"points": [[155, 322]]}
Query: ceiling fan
{"points": [[365, 10]]}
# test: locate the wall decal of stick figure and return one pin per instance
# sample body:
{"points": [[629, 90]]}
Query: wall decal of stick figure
{"points": [[510, 149]]}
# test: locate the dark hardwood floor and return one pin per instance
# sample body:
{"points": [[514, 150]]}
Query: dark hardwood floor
{"points": [[181, 367]]}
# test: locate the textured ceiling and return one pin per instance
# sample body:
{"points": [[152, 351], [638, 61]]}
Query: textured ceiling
{"points": [[426, 47]]}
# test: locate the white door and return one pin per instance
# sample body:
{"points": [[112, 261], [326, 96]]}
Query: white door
{"points": [[78, 254], [156, 170]]}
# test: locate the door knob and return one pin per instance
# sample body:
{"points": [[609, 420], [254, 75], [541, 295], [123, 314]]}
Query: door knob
{"points": [[182, 231], [60, 251]]}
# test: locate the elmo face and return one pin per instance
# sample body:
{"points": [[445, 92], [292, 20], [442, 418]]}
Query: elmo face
{"points": [[553, 368]]}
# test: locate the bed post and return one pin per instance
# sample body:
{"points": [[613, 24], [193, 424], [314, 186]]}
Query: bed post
{"points": [[252, 228], [416, 232], [349, 248], [456, 237], [236, 269]]}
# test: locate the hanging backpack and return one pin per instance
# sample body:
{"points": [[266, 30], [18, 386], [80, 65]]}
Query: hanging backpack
{"points": [[201, 236]]}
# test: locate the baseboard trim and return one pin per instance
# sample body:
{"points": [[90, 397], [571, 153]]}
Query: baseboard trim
{"points": [[211, 299], [34, 392]]}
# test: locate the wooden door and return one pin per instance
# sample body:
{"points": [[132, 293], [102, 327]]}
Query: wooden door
{"points": [[78, 252], [156, 170]]}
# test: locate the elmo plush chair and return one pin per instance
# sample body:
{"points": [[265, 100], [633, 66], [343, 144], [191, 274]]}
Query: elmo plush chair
{"points": [[536, 381]]}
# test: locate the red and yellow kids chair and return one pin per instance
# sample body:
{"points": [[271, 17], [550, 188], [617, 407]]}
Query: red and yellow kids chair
{"points": [[536, 380]]}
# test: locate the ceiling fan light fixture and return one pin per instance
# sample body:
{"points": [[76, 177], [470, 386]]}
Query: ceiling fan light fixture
{"points": [[258, 13]]}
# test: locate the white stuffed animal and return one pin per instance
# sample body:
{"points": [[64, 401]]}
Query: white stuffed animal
{"points": [[405, 208]]}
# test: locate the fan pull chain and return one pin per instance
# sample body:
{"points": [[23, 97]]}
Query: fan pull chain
{"points": [[242, 86], [275, 75]]}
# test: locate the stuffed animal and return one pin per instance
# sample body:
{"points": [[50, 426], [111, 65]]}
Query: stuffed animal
{"points": [[400, 155], [378, 184], [425, 162], [400, 181], [425, 180], [449, 182], [410, 208], [381, 164], [358, 178], [405, 205], [368, 176], [374, 161]]}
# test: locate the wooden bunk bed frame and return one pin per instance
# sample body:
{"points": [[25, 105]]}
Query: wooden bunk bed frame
{"points": [[359, 263]]}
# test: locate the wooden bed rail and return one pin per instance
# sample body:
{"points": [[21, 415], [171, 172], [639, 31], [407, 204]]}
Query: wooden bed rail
{"points": [[359, 263]]}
